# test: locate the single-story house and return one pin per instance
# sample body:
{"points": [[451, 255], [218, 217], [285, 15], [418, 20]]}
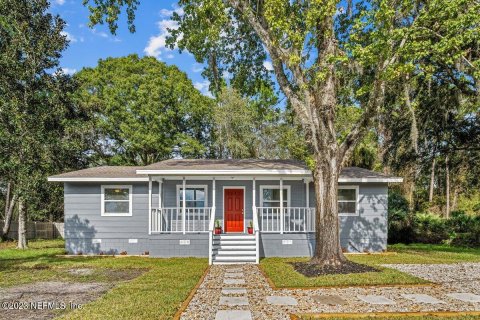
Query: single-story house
{"points": [[170, 209]]}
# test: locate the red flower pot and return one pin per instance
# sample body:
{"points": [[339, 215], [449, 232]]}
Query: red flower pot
{"points": [[250, 230], [218, 230]]}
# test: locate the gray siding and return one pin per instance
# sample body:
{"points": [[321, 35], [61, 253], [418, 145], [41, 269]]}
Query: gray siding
{"points": [[84, 224]]}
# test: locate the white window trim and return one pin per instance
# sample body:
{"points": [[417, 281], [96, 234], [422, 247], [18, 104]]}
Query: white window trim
{"points": [[287, 187], [130, 197], [179, 186], [357, 201]]}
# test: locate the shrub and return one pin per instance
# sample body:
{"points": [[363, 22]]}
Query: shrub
{"points": [[399, 219], [430, 228]]}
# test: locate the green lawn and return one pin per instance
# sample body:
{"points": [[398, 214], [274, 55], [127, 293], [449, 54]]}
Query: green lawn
{"points": [[422, 317], [283, 275], [155, 294]]}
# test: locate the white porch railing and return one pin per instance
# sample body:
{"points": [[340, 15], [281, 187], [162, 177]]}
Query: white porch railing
{"points": [[170, 220], [295, 219]]}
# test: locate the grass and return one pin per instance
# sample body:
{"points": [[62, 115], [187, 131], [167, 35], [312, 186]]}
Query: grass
{"points": [[156, 294], [422, 317], [283, 275]]}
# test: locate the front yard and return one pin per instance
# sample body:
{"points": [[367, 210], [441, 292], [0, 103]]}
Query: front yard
{"points": [[117, 288], [283, 275]]}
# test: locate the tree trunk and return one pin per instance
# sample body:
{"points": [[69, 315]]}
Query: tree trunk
{"points": [[447, 192], [455, 198], [22, 225], [327, 250], [432, 182], [9, 206]]}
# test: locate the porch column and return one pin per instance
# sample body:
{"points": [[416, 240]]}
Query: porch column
{"points": [[213, 198], [184, 204], [282, 214], [160, 184], [307, 193], [254, 202], [149, 204]]}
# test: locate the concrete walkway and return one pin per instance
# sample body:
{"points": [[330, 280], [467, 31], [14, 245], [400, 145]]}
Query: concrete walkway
{"points": [[241, 292]]}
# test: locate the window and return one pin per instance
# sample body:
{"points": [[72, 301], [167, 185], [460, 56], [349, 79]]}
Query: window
{"points": [[116, 200], [347, 200], [270, 196], [195, 196]]}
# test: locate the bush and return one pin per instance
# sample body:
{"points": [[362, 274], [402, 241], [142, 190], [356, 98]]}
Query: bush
{"points": [[399, 219], [467, 229], [430, 228]]}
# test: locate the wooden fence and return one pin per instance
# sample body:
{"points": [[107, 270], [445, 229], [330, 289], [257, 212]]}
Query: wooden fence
{"points": [[37, 230]]}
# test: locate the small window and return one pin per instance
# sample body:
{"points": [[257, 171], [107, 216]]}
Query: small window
{"points": [[195, 196], [116, 200], [271, 196], [347, 201]]}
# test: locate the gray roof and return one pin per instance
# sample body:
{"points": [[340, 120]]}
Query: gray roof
{"points": [[103, 172], [226, 164], [117, 173]]}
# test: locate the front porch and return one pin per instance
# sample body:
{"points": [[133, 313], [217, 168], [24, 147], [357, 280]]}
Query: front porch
{"points": [[236, 205]]}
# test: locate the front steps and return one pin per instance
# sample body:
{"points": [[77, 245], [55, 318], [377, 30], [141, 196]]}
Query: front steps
{"points": [[234, 248]]}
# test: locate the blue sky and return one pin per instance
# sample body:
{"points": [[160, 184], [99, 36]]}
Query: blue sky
{"points": [[88, 45]]}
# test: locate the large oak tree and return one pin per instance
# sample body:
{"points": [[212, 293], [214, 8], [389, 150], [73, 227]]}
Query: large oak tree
{"points": [[325, 54]]}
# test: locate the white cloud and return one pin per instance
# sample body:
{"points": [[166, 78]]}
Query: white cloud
{"points": [[101, 34], [70, 37], [157, 44], [60, 2], [170, 56], [69, 71], [197, 67], [166, 13], [268, 65], [203, 87]]}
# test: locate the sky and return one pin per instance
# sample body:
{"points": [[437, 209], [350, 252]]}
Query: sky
{"points": [[88, 45]]}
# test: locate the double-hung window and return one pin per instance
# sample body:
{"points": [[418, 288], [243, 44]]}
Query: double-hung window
{"points": [[348, 200], [270, 196], [116, 200], [195, 196]]}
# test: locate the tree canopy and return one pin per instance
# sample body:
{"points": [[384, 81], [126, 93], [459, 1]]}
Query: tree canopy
{"points": [[327, 55], [143, 110], [41, 130]]}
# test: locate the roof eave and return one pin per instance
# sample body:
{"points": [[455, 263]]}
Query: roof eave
{"points": [[97, 179], [240, 172]]}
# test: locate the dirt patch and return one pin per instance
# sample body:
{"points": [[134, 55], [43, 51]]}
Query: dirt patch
{"points": [[313, 270], [123, 274], [45, 300]]}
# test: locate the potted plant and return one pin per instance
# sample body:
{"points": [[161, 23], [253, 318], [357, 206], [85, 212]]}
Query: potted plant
{"points": [[218, 228], [250, 227]]}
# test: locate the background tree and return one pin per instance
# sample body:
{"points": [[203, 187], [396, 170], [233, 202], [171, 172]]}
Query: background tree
{"points": [[323, 57], [248, 128], [143, 109], [41, 131]]}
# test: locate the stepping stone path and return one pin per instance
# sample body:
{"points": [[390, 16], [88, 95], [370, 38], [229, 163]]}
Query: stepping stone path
{"points": [[233, 276], [422, 298], [373, 299], [242, 292], [234, 291], [233, 315], [329, 300], [466, 297], [282, 301], [233, 281]]}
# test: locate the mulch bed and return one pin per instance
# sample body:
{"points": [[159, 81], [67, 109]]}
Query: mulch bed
{"points": [[314, 270]]}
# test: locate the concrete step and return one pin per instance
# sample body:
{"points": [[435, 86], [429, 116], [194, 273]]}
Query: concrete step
{"points": [[233, 262], [234, 237], [234, 252], [233, 242], [234, 258], [235, 247]]}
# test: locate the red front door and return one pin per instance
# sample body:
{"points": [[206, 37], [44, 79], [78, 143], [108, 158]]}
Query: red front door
{"points": [[233, 203]]}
